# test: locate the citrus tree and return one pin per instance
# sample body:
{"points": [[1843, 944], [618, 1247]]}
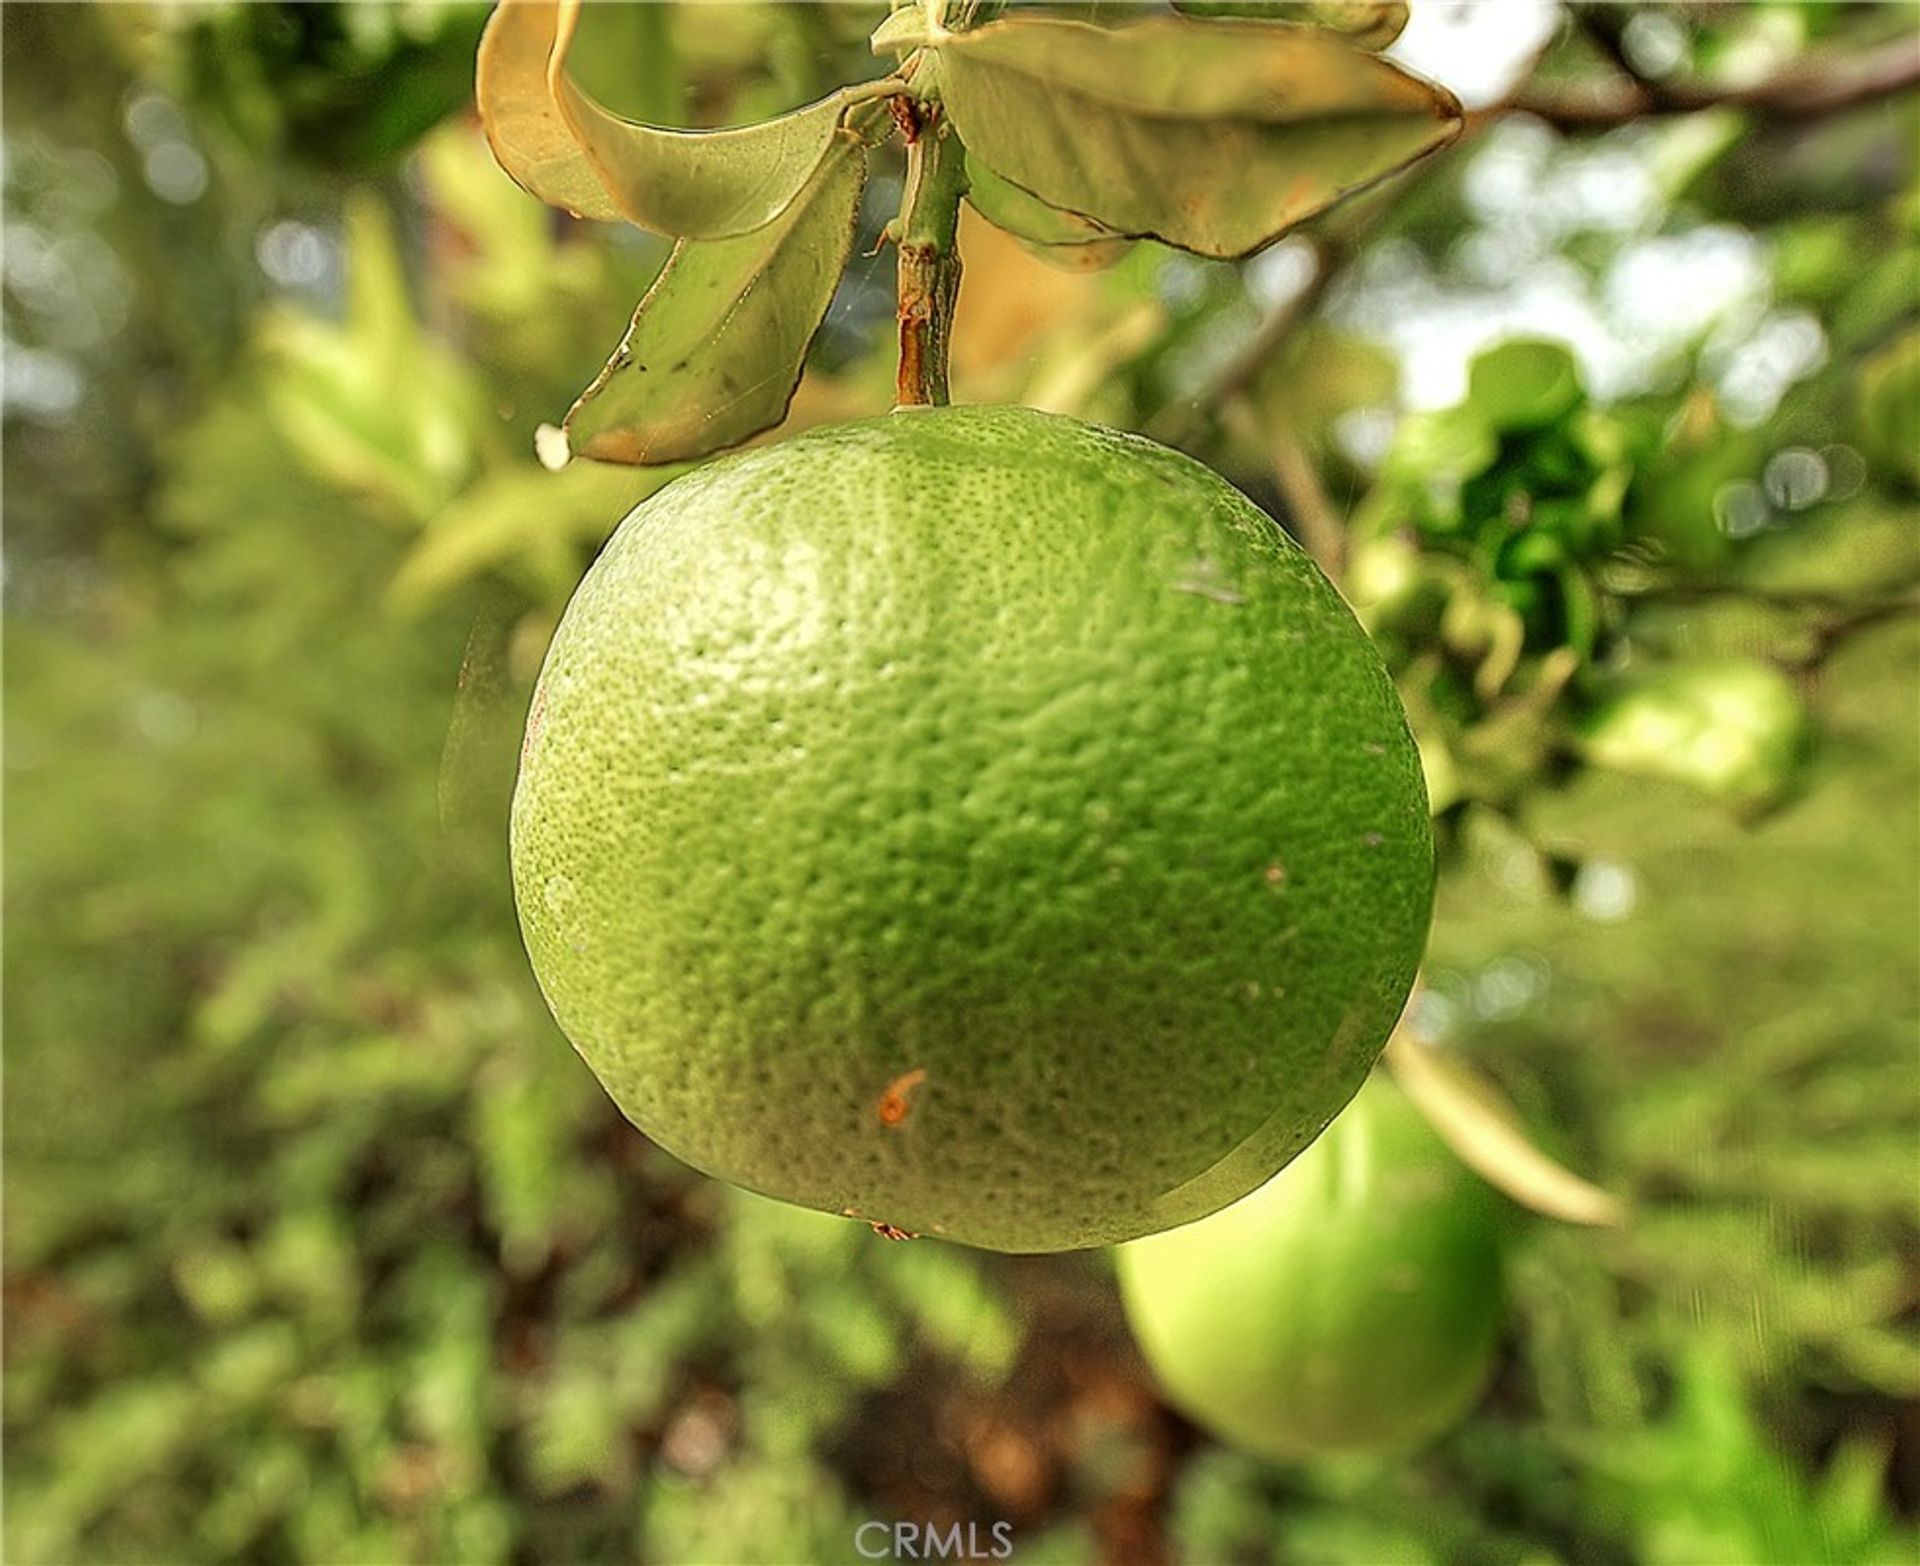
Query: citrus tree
{"points": [[1492, 561]]}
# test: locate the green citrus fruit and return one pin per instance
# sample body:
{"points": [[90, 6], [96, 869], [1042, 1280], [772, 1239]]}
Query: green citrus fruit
{"points": [[971, 821], [1351, 1305]]}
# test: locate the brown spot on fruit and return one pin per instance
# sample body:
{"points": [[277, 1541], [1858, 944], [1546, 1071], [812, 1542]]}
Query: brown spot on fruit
{"points": [[896, 1103]]}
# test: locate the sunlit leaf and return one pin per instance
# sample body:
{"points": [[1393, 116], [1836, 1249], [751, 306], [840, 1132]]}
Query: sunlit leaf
{"points": [[524, 518], [1734, 728], [717, 345], [330, 388], [1524, 384], [1372, 24], [1487, 1137], [1214, 136], [1064, 238], [564, 146], [698, 184]]}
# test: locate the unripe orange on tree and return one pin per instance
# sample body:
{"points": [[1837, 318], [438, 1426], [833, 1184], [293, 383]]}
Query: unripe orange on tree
{"points": [[971, 821], [1350, 1306]]}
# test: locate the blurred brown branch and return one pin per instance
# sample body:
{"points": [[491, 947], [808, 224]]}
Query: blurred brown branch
{"points": [[1804, 91], [1888, 595], [1837, 617], [1832, 632]]}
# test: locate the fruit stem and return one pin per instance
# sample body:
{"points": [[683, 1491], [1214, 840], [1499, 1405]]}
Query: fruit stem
{"points": [[929, 276]]}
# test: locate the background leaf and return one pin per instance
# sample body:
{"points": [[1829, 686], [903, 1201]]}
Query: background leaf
{"points": [[1733, 728], [717, 345], [1890, 406], [524, 518], [335, 401], [1215, 137]]}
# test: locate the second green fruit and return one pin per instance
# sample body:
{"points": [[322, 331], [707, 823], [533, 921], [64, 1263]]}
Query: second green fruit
{"points": [[1349, 1306]]}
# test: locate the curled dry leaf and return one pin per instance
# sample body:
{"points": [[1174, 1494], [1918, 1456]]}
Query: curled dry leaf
{"points": [[529, 136], [718, 344], [1486, 1135], [561, 144], [1214, 136]]}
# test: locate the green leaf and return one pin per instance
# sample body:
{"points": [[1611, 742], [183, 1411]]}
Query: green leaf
{"points": [[522, 517], [564, 146], [1735, 729], [374, 406], [1441, 450], [717, 346], [630, 58], [1524, 384], [1216, 137], [1372, 24], [1065, 238], [901, 33]]}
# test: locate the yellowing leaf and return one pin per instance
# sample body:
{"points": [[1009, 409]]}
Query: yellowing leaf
{"points": [[718, 344], [1486, 1136], [1213, 136], [564, 146], [524, 126]]}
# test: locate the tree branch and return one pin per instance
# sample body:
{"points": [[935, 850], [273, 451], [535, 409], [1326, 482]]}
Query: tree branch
{"points": [[1786, 600], [929, 254], [1827, 636], [1799, 92], [1837, 617]]}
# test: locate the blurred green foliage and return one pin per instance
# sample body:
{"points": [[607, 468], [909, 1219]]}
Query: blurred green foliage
{"points": [[321, 1245]]}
